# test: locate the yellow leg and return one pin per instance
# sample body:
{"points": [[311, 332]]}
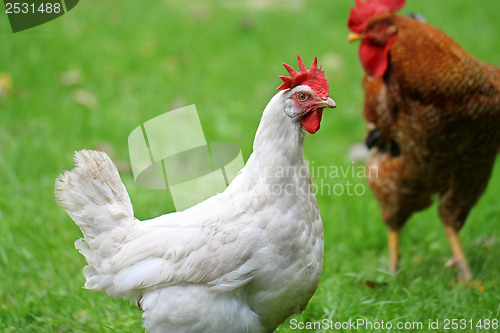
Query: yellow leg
{"points": [[459, 260], [393, 240]]}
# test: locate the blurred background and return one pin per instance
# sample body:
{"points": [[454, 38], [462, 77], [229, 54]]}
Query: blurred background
{"points": [[88, 78]]}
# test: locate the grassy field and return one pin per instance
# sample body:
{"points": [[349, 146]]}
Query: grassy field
{"points": [[87, 79]]}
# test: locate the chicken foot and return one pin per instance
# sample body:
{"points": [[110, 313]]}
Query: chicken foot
{"points": [[458, 259]]}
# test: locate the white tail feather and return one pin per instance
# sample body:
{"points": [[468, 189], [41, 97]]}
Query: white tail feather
{"points": [[95, 198]]}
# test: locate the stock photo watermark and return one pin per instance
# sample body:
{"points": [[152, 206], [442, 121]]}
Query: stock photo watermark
{"points": [[170, 152], [328, 180], [26, 14], [456, 324]]}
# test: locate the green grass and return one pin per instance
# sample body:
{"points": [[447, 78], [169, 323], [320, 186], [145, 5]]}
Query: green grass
{"points": [[140, 59]]}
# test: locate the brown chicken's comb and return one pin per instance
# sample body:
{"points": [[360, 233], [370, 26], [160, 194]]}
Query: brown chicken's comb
{"points": [[313, 77], [359, 16]]}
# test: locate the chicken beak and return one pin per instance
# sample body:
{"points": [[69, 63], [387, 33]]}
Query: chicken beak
{"points": [[326, 102], [352, 37]]}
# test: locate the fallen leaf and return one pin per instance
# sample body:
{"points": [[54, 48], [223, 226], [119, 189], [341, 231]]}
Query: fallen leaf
{"points": [[71, 77], [372, 284], [85, 98], [5, 84]]}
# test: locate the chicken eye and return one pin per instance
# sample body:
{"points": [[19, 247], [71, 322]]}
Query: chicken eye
{"points": [[301, 96]]}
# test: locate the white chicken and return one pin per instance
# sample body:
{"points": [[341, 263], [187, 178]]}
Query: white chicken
{"points": [[243, 260]]}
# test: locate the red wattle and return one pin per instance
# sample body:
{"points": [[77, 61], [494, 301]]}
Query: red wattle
{"points": [[374, 57], [312, 120]]}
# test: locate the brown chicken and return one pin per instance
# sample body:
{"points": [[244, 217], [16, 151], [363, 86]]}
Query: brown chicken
{"points": [[433, 114]]}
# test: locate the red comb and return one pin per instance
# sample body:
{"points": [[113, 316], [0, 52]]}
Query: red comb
{"points": [[313, 77], [359, 16]]}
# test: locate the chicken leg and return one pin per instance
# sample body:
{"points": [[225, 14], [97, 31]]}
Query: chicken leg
{"points": [[458, 259], [393, 240], [453, 210]]}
